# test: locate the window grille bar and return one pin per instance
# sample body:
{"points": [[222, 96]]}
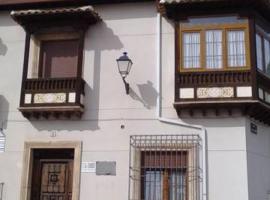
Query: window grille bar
{"points": [[165, 167], [1, 190]]}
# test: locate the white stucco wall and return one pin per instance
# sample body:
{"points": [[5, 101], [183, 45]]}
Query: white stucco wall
{"points": [[258, 159], [226, 136], [125, 27]]}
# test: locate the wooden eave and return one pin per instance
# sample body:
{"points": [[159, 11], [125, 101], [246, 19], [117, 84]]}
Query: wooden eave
{"points": [[255, 109], [36, 18], [24, 4], [180, 9], [52, 112]]}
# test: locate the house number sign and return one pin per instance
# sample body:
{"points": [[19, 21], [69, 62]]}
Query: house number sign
{"points": [[253, 128], [88, 167]]}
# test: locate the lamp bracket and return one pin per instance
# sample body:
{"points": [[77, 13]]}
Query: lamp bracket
{"points": [[126, 85]]}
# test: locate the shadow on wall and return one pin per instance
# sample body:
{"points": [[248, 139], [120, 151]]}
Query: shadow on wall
{"points": [[4, 110], [103, 40], [128, 11], [3, 48], [99, 38], [148, 95]]}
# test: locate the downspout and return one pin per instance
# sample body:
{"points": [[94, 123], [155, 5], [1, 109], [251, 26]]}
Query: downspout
{"points": [[203, 133]]}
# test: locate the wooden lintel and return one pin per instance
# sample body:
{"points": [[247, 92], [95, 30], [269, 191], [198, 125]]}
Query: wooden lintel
{"points": [[204, 112], [229, 111], [191, 112], [46, 115], [217, 111], [56, 115]]}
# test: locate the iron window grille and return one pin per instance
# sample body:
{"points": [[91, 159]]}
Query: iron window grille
{"points": [[165, 167]]}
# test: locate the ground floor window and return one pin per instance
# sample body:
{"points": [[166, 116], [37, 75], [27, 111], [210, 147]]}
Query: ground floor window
{"points": [[165, 168], [167, 185]]}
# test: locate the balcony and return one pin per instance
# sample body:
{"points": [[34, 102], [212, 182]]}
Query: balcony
{"points": [[219, 91], [46, 97]]}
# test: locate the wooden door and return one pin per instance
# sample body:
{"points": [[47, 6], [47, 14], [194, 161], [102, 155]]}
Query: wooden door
{"points": [[52, 179]]}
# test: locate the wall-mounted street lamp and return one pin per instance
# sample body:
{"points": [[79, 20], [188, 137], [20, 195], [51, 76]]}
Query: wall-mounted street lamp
{"points": [[124, 66]]}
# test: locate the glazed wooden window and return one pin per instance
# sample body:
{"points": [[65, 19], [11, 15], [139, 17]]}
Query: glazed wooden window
{"points": [[236, 48], [263, 52], [58, 58], [164, 175], [165, 185], [191, 50], [267, 55], [214, 47], [259, 46]]}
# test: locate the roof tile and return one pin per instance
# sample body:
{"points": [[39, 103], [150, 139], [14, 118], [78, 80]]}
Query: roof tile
{"points": [[84, 9]]}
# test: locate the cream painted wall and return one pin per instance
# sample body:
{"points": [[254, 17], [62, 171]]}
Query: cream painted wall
{"points": [[125, 27], [258, 157]]}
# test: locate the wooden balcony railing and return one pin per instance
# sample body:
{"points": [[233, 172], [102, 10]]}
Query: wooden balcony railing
{"points": [[214, 78], [54, 84], [45, 96], [216, 92]]}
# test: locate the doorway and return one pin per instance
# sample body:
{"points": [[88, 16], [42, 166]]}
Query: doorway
{"points": [[52, 174]]}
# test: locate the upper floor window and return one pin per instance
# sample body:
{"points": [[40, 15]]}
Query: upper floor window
{"points": [[59, 58], [220, 44], [52, 78], [263, 50], [54, 55]]}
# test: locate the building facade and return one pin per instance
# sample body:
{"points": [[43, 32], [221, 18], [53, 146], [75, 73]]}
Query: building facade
{"points": [[189, 122]]}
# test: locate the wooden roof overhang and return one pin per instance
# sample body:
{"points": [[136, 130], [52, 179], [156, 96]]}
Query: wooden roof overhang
{"points": [[34, 19], [180, 9], [26, 4], [255, 109]]}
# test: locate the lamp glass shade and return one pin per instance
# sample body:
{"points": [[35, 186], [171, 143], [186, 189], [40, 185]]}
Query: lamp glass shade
{"points": [[124, 65]]}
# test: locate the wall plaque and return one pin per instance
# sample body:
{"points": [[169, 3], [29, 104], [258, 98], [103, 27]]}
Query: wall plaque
{"points": [[88, 167]]}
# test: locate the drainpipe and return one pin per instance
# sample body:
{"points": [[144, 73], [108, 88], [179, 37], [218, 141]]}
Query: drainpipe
{"points": [[203, 133]]}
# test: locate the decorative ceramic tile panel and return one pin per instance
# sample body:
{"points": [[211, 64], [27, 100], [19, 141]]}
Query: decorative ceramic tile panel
{"points": [[215, 92], [186, 93], [244, 91], [72, 97], [28, 98], [50, 98]]}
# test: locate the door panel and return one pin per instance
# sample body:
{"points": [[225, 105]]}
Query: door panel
{"points": [[55, 180], [52, 179]]}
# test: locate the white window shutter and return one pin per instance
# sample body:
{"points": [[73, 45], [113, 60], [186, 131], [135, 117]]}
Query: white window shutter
{"points": [[2, 141]]}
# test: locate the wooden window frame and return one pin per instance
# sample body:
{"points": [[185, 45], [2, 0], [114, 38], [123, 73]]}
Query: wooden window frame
{"points": [[58, 37], [225, 28], [41, 68], [263, 37], [166, 173], [155, 167]]}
